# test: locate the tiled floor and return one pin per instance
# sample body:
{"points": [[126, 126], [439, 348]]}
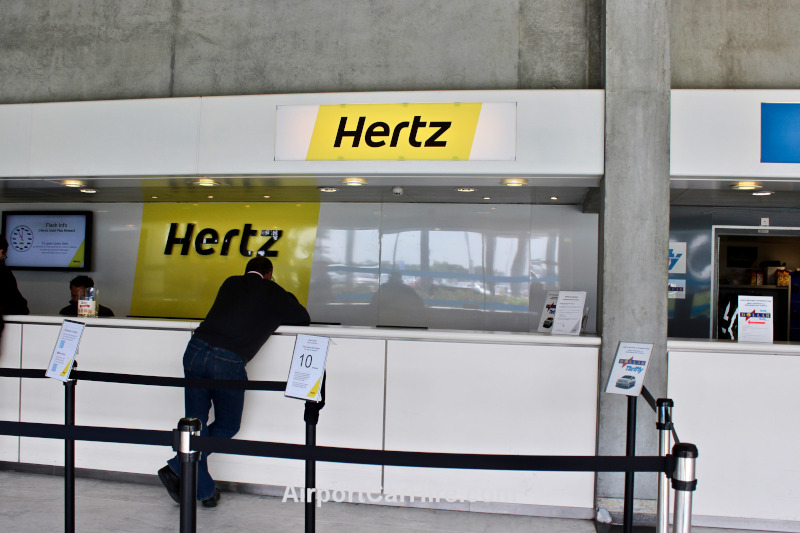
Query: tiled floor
{"points": [[35, 503]]}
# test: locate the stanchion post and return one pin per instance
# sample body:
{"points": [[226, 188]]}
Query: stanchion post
{"points": [[188, 458], [311, 417], [630, 451], [69, 457], [684, 482], [664, 427]]}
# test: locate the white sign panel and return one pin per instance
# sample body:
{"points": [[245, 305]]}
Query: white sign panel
{"points": [[676, 289], [308, 368], [677, 258], [66, 348], [630, 366], [569, 313], [548, 312], [755, 318]]}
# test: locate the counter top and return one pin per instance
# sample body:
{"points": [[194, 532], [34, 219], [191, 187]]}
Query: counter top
{"points": [[719, 346], [335, 331]]}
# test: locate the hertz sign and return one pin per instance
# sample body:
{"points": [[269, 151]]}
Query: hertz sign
{"points": [[397, 132]]}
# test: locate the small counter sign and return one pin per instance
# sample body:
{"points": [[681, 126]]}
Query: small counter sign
{"points": [[629, 369]]}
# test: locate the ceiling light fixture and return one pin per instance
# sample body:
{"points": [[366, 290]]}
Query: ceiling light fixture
{"points": [[328, 189], [205, 182], [266, 196], [554, 197], [487, 197], [514, 182], [89, 191], [354, 182], [73, 183], [465, 189], [762, 193], [747, 186]]}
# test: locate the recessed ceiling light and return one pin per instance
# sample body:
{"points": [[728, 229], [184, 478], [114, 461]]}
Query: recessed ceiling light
{"points": [[747, 186], [154, 197], [554, 197], [487, 197], [73, 183], [354, 182], [465, 189], [205, 182], [514, 182], [328, 189], [266, 196], [211, 196], [762, 193], [89, 191]]}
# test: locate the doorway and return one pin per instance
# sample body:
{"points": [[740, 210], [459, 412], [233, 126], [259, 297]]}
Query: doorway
{"points": [[756, 261]]}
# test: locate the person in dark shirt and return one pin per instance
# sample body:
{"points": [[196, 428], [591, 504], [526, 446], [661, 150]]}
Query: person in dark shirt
{"points": [[247, 310], [11, 301], [77, 286]]}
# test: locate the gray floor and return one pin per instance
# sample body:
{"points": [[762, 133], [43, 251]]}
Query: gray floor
{"points": [[35, 503]]}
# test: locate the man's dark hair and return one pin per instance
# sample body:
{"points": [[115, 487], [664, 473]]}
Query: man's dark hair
{"points": [[81, 281], [3, 243], [259, 264]]}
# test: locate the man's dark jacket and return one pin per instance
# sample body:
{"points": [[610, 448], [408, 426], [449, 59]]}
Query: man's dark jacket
{"points": [[247, 310]]}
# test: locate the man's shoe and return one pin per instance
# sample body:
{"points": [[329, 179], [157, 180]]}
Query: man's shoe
{"points": [[212, 501], [171, 482]]}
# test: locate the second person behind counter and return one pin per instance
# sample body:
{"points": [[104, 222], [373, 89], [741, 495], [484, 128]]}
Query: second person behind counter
{"points": [[78, 286]]}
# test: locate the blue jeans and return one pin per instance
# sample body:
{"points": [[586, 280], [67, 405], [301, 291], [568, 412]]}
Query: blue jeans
{"points": [[204, 361]]}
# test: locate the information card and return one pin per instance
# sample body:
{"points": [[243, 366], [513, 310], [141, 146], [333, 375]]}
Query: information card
{"points": [[569, 313], [308, 368], [630, 366], [755, 318], [66, 348]]}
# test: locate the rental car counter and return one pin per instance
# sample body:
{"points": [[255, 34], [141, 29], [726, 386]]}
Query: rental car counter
{"points": [[391, 389]]}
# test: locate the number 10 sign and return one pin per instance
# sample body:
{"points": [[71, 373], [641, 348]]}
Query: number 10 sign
{"points": [[308, 368]]}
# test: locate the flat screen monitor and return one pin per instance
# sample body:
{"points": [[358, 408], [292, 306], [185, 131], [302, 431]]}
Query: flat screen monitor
{"points": [[48, 240]]}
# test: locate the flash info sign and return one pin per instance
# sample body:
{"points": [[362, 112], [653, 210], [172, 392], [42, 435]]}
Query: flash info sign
{"points": [[464, 131]]}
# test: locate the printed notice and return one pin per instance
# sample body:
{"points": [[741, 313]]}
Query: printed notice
{"points": [[308, 368], [755, 317], [630, 366], [569, 313], [66, 348]]}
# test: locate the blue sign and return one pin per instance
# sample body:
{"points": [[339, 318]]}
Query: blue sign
{"points": [[780, 133]]}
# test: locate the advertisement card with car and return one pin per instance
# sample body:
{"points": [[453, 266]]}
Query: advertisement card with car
{"points": [[548, 312], [755, 317], [630, 366]]}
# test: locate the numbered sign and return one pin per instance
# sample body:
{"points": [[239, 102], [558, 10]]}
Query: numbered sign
{"points": [[308, 368]]}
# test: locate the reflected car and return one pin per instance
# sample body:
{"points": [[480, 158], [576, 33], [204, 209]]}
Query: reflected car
{"points": [[626, 382]]}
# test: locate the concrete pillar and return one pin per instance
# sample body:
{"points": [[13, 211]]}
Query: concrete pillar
{"points": [[634, 220]]}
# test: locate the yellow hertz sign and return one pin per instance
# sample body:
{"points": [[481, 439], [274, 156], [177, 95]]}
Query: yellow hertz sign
{"points": [[396, 132], [187, 250]]}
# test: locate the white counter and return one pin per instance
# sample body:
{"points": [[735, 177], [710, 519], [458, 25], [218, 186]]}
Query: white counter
{"points": [[394, 389], [737, 402]]}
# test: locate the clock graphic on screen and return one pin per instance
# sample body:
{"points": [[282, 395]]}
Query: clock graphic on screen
{"points": [[21, 238]]}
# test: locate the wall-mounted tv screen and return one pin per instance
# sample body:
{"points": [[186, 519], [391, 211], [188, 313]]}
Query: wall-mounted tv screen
{"points": [[48, 240]]}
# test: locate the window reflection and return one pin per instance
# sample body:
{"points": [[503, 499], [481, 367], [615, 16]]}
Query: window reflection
{"points": [[447, 266]]}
